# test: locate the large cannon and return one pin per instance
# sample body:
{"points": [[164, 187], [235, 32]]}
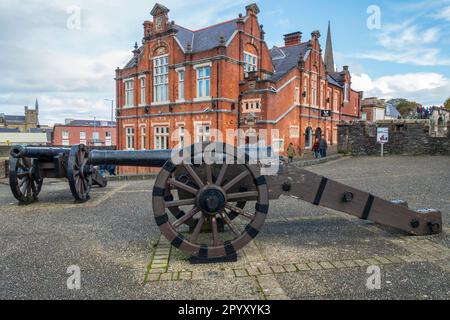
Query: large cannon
{"points": [[29, 166], [199, 192]]}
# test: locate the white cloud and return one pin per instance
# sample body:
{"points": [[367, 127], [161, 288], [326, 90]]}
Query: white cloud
{"points": [[426, 88], [72, 71], [443, 14]]}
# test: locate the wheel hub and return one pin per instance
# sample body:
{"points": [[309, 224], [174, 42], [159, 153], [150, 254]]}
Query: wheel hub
{"points": [[211, 200]]}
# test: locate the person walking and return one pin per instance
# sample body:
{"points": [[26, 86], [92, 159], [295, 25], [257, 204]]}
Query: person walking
{"points": [[316, 149], [291, 152], [323, 146]]}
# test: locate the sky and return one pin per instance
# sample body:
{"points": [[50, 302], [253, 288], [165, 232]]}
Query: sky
{"points": [[64, 52]]}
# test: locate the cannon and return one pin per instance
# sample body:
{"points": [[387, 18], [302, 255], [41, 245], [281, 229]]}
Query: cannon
{"points": [[202, 191], [30, 165]]}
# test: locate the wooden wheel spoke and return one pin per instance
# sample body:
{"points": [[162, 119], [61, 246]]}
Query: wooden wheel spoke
{"points": [[236, 180], [209, 178], [215, 231], [194, 175], [240, 211], [197, 229], [33, 187], [243, 195], [186, 217], [230, 224], [222, 172], [180, 203], [182, 186]]}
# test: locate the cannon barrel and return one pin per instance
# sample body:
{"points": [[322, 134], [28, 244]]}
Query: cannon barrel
{"points": [[157, 158], [42, 153], [144, 158]]}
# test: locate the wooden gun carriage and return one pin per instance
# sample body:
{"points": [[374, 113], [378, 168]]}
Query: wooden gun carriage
{"points": [[29, 166], [203, 190]]}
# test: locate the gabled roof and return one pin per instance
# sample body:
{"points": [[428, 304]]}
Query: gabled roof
{"points": [[286, 58], [207, 38], [337, 78]]}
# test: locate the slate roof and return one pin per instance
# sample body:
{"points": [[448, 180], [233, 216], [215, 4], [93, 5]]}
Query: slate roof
{"points": [[391, 111], [200, 40], [9, 130], [286, 58], [207, 38], [333, 81], [14, 119]]}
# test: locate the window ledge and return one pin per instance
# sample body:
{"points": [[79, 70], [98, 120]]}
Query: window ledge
{"points": [[202, 99], [128, 107], [180, 101], [162, 103]]}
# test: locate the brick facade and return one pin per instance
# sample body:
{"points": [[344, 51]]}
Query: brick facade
{"points": [[251, 87], [102, 134]]}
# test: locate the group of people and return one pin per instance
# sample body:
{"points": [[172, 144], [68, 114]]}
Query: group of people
{"points": [[319, 149]]}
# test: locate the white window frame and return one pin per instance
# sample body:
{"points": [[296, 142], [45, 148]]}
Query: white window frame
{"points": [[143, 137], [294, 132], [143, 89], [161, 137], [129, 134], [129, 93], [346, 93], [82, 135], [297, 95], [278, 145], [161, 79], [202, 134], [181, 75], [250, 62], [65, 135], [251, 105], [203, 83]]}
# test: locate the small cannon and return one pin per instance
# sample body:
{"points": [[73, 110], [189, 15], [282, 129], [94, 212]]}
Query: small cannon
{"points": [[195, 197], [30, 165]]}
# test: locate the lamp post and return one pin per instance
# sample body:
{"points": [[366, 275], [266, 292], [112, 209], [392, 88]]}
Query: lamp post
{"points": [[112, 116], [112, 109]]}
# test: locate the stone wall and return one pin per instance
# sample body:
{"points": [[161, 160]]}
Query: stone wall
{"points": [[406, 137], [3, 168]]}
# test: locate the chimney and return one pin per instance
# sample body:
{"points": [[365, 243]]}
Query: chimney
{"points": [[292, 39], [345, 68]]}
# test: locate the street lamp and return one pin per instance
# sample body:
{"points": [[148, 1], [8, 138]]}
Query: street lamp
{"points": [[112, 109]]}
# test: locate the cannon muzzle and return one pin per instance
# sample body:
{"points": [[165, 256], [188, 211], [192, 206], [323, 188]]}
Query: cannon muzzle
{"points": [[144, 158], [42, 153]]}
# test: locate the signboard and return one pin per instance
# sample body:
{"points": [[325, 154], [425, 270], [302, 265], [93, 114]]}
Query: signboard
{"points": [[382, 135], [325, 113]]}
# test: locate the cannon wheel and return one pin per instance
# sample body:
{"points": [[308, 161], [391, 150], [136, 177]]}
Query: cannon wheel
{"points": [[210, 202], [24, 181], [79, 173]]}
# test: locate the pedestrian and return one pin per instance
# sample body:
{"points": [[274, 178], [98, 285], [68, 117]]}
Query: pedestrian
{"points": [[112, 170], [323, 146], [316, 149], [291, 152]]}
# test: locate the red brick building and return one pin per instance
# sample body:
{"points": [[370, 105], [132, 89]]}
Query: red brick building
{"points": [[88, 132], [226, 77]]}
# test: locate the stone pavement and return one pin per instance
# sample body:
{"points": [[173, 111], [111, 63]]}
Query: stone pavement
{"points": [[303, 252]]}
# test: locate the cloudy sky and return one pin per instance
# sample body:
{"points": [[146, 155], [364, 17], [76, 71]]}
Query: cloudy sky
{"points": [[68, 64]]}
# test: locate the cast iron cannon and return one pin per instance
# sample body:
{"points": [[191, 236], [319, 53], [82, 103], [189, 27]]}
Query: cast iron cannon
{"points": [[30, 165], [201, 190]]}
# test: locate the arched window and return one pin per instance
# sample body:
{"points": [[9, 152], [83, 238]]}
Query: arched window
{"points": [[308, 138]]}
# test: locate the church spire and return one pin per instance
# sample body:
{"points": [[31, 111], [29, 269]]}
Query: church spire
{"points": [[329, 59]]}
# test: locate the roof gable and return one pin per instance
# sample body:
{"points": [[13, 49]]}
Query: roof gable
{"points": [[286, 58]]}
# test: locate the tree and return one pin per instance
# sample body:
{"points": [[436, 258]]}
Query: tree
{"points": [[447, 104], [404, 106]]}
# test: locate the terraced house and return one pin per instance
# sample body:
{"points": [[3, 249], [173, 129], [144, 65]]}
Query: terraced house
{"points": [[225, 77]]}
